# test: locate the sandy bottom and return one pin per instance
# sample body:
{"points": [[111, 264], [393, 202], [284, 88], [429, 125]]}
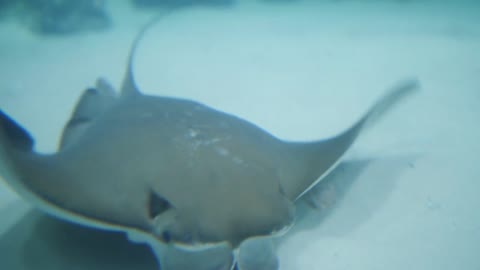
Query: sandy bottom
{"points": [[303, 71]]}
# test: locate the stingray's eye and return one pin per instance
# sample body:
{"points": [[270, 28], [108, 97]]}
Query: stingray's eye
{"points": [[166, 236]]}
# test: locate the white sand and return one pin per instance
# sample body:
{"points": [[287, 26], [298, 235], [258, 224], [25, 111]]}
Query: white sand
{"points": [[304, 70]]}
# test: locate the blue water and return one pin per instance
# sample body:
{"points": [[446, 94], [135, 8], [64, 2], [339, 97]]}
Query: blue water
{"points": [[303, 70]]}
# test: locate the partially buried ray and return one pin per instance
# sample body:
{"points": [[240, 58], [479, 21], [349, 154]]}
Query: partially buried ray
{"points": [[173, 171]]}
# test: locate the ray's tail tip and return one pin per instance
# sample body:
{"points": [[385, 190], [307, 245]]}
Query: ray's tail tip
{"points": [[401, 90], [410, 84]]}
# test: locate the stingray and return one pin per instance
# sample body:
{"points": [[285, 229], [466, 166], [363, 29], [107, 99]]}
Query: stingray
{"points": [[191, 181]]}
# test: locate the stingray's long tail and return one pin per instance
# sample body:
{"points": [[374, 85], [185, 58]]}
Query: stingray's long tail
{"points": [[129, 85]]}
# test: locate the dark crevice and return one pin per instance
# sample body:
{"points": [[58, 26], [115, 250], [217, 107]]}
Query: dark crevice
{"points": [[157, 205], [16, 135]]}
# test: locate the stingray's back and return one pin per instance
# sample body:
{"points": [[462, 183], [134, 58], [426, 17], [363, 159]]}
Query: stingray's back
{"points": [[218, 171]]}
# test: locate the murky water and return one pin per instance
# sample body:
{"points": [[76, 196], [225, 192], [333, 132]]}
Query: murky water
{"points": [[303, 70]]}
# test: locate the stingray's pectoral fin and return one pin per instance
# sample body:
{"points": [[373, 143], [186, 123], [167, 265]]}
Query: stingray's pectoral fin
{"points": [[13, 136], [16, 149], [257, 253], [14, 141], [309, 162]]}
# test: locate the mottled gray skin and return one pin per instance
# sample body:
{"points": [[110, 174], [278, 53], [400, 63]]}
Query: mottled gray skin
{"points": [[209, 169], [174, 169]]}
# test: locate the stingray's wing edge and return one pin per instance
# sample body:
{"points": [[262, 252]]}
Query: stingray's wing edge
{"points": [[307, 163]]}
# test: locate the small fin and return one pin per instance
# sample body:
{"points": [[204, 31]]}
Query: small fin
{"points": [[13, 135], [105, 87], [309, 162], [93, 102]]}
